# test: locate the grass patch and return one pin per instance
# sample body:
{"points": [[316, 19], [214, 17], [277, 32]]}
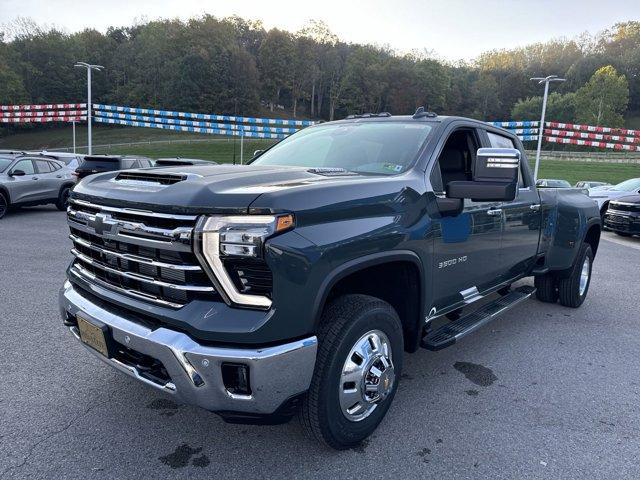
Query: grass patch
{"points": [[218, 150], [576, 171]]}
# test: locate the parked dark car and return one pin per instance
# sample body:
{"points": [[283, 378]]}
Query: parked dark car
{"points": [[298, 282], [623, 216], [176, 162], [27, 180], [109, 163]]}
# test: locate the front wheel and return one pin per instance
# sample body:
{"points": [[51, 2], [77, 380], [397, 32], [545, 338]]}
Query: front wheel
{"points": [[358, 366], [573, 289]]}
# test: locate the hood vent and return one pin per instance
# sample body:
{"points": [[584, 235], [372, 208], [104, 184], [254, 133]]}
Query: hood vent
{"points": [[160, 178], [330, 171]]}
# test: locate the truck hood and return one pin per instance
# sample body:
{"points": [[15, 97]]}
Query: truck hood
{"points": [[204, 188]]}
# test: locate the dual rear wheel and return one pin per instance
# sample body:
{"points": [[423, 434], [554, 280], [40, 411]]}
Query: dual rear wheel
{"points": [[570, 288]]}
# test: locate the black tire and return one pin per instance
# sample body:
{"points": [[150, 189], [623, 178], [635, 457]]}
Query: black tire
{"points": [[63, 199], [344, 322], [4, 205], [546, 288], [569, 287]]}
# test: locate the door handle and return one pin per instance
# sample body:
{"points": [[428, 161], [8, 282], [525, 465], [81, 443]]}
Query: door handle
{"points": [[535, 207], [58, 176], [34, 178], [494, 212]]}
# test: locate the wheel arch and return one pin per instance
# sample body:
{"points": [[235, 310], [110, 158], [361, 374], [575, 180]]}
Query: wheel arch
{"points": [[592, 237], [69, 185], [402, 287], [6, 194]]}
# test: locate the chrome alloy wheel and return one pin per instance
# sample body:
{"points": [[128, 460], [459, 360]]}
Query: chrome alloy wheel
{"points": [[367, 376], [584, 275]]}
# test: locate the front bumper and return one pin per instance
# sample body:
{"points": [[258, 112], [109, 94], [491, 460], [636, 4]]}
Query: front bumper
{"points": [[622, 222], [276, 373]]}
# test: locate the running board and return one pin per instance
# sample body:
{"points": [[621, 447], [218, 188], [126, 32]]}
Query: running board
{"points": [[448, 334]]}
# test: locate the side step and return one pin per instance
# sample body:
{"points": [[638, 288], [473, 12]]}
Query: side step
{"points": [[448, 334]]}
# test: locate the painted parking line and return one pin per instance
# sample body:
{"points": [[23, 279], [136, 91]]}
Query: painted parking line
{"points": [[632, 242]]}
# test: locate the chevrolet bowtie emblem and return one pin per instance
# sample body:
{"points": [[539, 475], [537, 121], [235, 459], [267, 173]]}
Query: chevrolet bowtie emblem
{"points": [[101, 223]]}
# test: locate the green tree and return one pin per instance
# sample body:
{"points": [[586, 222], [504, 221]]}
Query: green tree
{"points": [[275, 57], [560, 108], [604, 99]]}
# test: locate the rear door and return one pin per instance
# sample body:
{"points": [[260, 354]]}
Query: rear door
{"points": [[24, 188], [521, 216], [47, 172], [466, 246]]}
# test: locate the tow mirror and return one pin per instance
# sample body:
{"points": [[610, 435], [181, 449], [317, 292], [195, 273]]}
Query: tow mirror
{"points": [[17, 173], [495, 177]]}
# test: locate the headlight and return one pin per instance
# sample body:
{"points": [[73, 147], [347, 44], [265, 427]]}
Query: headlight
{"points": [[238, 236]]}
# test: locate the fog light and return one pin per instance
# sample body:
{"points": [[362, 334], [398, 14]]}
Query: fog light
{"points": [[235, 377]]}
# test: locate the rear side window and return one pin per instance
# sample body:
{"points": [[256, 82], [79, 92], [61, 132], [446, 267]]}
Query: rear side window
{"points": [[43, 166], [55, 166], [499, 141], [130, 164]]}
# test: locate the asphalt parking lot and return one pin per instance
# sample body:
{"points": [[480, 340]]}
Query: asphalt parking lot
{"points": [[543, 392]]}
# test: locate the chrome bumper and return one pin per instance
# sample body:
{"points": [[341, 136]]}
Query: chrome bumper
{"points": [[276, 373]]}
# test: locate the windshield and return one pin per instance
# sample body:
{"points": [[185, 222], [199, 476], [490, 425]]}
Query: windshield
{"points": [[628, 185], [385, 148], [4, 163], [553, 183]]}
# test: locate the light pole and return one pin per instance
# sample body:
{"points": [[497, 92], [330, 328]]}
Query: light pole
{"points": [[546, 81], [89, 67]]}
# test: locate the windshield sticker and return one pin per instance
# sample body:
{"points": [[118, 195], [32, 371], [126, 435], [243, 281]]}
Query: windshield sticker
{"points": [[393, 167]]}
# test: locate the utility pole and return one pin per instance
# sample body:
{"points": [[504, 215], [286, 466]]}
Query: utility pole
{"points": [[89, 68], [74, 137], [546, 81]]}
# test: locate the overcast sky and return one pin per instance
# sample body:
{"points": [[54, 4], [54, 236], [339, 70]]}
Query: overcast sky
{"points": [[452, 29]]}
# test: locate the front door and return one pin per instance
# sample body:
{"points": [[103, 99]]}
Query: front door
{"points": [[466, 246], [521, 218], [24, 188]]}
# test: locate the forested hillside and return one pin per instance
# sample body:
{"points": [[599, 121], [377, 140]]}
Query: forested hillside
{"points": [[236, 66]]}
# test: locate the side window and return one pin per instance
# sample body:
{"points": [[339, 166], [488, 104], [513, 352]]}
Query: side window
{"points": [[55, 166], [43, 166], [455, 159], [126, 163], [498, 141], [26, 166]]}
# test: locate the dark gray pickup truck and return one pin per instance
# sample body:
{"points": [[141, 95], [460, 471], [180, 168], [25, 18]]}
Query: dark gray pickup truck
{"points": [[296, 284]]}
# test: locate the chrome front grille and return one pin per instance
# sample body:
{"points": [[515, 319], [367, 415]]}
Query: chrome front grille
{"points": [[624, 206], [142, 254]]}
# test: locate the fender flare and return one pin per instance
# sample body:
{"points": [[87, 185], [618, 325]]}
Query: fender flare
{"points": [[361, 263], [6, 194]]}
